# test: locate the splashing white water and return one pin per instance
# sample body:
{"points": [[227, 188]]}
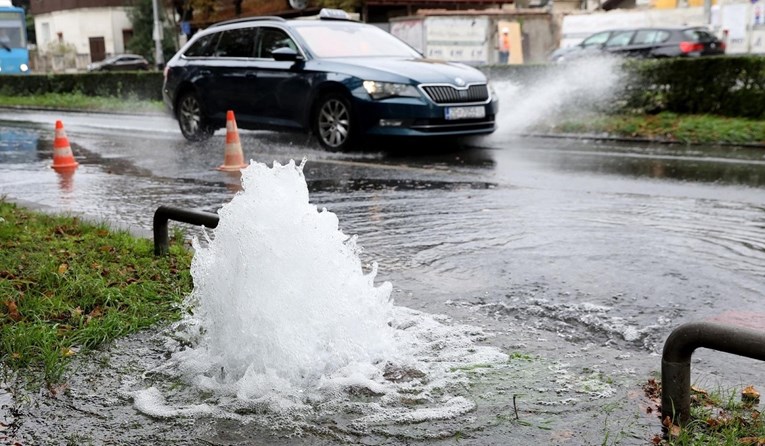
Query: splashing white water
{"points": [[284, 316], [576, 87]]}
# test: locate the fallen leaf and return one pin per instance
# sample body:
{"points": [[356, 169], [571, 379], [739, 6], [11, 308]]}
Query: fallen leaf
{"points": [[698, 390], [67, 352], [77, 312], [13, 310], [16, 355], [102, 232], [674, 431], [749, 394], [96, 312], [64, 267]]}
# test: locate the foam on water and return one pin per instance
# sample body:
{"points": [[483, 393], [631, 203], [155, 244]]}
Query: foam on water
{"points": [[284, 316]]}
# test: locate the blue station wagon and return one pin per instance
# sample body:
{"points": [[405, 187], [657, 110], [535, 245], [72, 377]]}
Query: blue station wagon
{"points": [[339, 79]]}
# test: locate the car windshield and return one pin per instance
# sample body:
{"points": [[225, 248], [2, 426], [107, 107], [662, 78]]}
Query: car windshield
{"points": [[352, 40]]}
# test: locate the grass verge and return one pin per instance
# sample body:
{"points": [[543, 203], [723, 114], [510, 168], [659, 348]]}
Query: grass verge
{"points": [[666, 126], [722, 417], [688, 129], [68, 286], [79, 101]]}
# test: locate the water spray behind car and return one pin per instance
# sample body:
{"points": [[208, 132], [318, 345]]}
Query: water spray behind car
{"points": [[574, 89]]}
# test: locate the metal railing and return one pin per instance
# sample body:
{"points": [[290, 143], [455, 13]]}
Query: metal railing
{"points": [[164, 214], [676, 360]]}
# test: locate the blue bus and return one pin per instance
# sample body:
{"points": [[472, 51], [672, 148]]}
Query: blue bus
{"points": [[14, 55]]}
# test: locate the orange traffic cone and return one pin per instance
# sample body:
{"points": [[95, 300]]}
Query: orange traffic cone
{"points": [[234, 158], [63, 160]]}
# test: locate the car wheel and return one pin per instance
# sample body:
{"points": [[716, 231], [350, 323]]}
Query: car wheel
{"points": [[334, 122], [191, 119]]}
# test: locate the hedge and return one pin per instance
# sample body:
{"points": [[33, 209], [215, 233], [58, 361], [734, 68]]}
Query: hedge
{"points": [[726, 85], [145, 85]]}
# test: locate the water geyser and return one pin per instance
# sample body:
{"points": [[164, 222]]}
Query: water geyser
{"points": [[280, 291]]}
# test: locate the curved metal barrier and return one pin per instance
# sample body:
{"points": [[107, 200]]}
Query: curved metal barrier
{"points": [[676, 359], [164, 214]]}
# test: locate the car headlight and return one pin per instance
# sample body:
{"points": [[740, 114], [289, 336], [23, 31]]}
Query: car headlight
{"points": [[382, 90], [492, 91]]}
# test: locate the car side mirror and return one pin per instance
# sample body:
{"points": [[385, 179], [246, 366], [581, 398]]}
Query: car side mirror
{"points": [[286, 54]]}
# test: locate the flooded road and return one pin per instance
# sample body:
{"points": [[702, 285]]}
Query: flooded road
{"points": [[577, 258]]}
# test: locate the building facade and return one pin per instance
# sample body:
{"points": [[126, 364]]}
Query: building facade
{"points": [[73, 33]]}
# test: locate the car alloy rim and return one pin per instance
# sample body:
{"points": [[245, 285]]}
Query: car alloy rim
{"points": [[190, 115], [334, 123]]}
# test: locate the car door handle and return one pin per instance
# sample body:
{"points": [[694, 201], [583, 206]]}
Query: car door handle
{"points": [[205, 72], [251, 75]]}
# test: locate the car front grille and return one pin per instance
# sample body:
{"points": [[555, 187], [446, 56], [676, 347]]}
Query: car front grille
{"points": [[448, 94]]}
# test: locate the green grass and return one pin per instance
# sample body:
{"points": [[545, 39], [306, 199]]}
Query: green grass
{"points": [[721, 418], [79, 101], [68, 286], [688, 129]]}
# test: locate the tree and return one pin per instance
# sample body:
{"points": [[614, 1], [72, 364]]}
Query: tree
{"points": [[142, 17]]}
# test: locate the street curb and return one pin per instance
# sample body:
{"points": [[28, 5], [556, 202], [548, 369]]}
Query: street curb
{"points": [[79, 110], [630, 139]]}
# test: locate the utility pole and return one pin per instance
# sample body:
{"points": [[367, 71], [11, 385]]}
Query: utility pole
{"points": [[708, 11], [159, 58]]}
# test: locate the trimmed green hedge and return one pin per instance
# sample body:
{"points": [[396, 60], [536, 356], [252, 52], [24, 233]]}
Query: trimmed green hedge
{"points": [[726, 86], [127, 85]]}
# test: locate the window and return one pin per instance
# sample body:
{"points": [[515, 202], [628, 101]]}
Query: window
{"points": [[353, 40], [596, 39], [620, 39], [699, 35], [203, 47], [650, 36], [272, 39], [236, 43]]}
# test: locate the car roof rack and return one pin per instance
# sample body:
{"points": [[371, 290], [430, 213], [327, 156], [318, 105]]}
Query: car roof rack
{"points": [[248, 19]]}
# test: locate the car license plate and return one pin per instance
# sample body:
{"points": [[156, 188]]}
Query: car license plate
{"points": [[453, 113]]}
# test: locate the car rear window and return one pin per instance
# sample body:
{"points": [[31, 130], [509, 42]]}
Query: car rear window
{"points": [[699, 35]]}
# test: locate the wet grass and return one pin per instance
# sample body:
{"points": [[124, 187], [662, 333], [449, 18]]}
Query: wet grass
{"points": [[79, 101], [688, 129], [721, 417], [69, 286], [667, 126]]}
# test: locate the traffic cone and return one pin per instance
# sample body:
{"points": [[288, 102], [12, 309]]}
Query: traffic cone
{"points": [[234, 158], [63, 160]]}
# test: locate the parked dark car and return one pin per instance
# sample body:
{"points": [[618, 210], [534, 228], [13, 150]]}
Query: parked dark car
{"points": [[121, 62], [340, 79], [654, 42]]}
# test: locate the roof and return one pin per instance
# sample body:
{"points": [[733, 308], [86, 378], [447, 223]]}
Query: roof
{"points": [[42, 7]]}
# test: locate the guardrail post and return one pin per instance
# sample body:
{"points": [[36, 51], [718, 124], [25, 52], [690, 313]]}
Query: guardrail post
{"points": [[164, 214], [676, 360]]}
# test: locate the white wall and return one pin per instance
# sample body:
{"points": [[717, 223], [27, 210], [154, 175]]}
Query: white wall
{"points": [[78, 25]]}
